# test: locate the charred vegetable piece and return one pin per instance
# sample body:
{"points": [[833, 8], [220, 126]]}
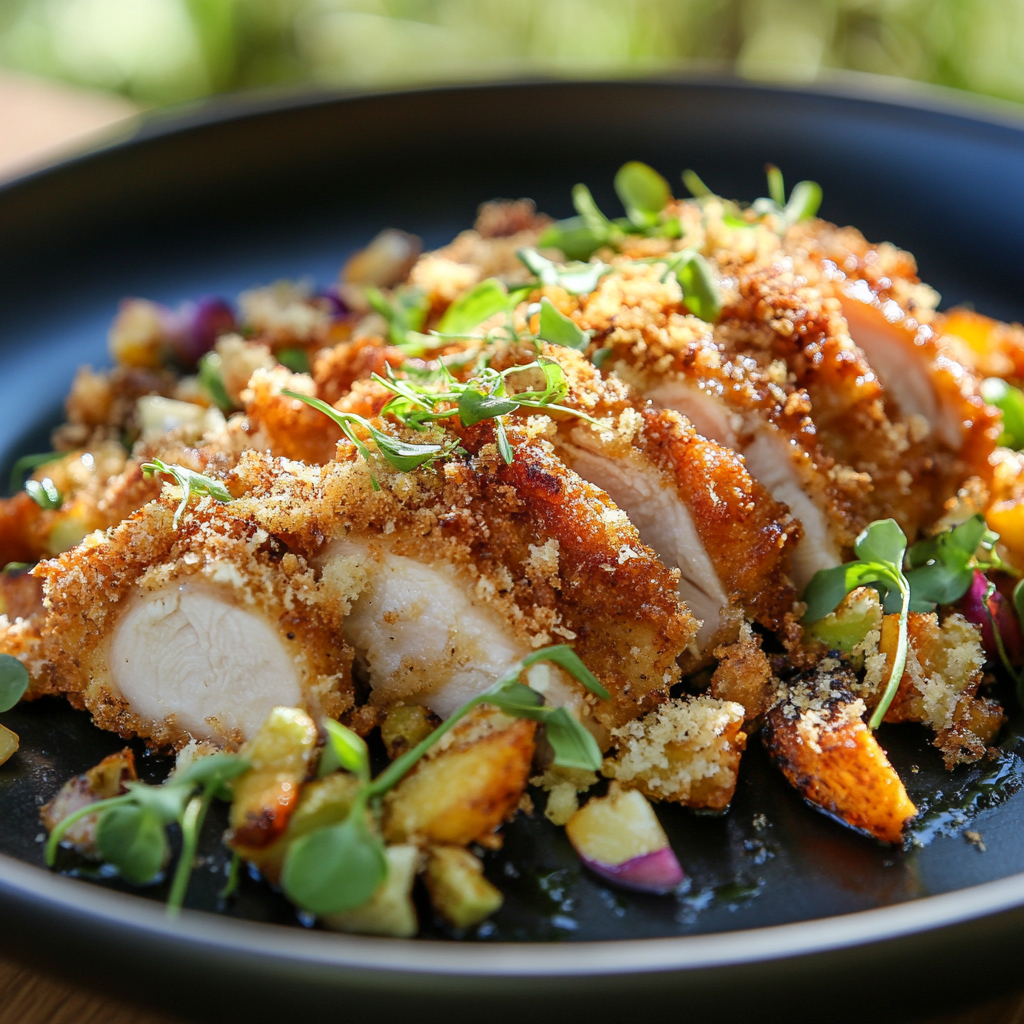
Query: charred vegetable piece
{"points": [[819, 740], [390, 911], [465, 791], [267, 794], [619, 838], [457, 887], [107, 779]]}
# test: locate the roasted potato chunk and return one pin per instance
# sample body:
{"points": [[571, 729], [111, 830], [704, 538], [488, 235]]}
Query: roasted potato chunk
{"points": [[817, 736], [466, 786]]}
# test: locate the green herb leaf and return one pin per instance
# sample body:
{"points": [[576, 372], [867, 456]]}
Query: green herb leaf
{"points": [[335, 869], [211, 771], [559, 329], [472, 309], [132, 839], [189, 482], [696, 187], [406, 312], [517, 700], [572, 235], [776, 187], [804, 202], [13, 681], [44, 493], [29, 463], [942, 567], [212, 382], [700, 290], [572, 743], [475, 406], [643, 191], [502, 441], [576, 279], [349, 749], [1010, 402], [881, 549], [294, 358], [565, 657], [594, 219]]}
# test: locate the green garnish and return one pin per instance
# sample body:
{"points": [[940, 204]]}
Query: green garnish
{"points": [[190, 483], [700, 290], [405, 311], [484, 396], [212, 382], [643, 192], [1010, 402], [940, 569], [696, 187], [44, 493], [558, 329], [490, 296], [803, 202], [880, 551], [340, 867], [27, 463], [574, 277], [13, 681], [294, 358], [131, 833], [402, 455]]}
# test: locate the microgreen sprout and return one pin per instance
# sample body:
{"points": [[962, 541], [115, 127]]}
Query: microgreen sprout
{"points": [[880, 551], [294, 358], [13, 681], [485, 396], [190, 483], [402, 455], [940, 569], [574, 277], [405, 312], [340, 867], [28, 463], [131, 832], [212, 381], [44, 493], [1010, 402]]}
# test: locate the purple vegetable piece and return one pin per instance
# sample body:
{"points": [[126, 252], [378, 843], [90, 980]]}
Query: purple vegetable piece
{"points": [[656, 872], [972, 607], [336, 304], [197, 327]]}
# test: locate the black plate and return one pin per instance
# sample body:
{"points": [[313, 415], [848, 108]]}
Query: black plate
{"points": [[791, 908]]}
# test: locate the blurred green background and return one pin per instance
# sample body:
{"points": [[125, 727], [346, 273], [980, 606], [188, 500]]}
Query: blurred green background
{"points": [[166, 51]]}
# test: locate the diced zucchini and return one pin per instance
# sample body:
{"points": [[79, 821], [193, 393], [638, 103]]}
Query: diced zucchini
{"points": [[859, 613], [457, 887], [8, 743]]}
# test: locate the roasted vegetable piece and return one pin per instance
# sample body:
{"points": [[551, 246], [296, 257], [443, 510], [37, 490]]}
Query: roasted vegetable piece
{"points": [[457, 887], [405, 726], [390, 910], [8, 743], [858, 614], [465, 788], [619, 838], [104, 780], [323, 802], [817, 736], [267, 794]]}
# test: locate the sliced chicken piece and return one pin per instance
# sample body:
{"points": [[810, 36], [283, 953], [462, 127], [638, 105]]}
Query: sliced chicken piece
{"points": [[691, 500], [680, 363], [188, 633], [449, 576]]}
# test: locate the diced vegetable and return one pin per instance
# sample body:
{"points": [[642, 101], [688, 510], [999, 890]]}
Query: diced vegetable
{"points": [[619, 838], [457, 887], [463, 792], [405, 726], [325, 802], [8, 743], [267, 794], [859, 613], [390, 910], [996, 609]]}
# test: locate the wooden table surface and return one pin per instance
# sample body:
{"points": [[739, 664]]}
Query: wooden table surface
{"points": [[41, 121]]}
